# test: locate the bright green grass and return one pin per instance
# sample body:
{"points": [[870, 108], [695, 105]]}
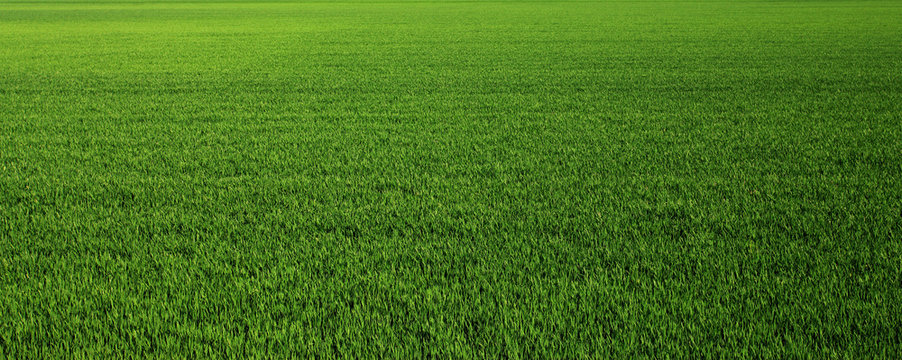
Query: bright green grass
{"points": [[457, 179]]}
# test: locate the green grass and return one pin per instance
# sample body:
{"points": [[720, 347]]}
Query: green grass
{"points": [[463, 179]]}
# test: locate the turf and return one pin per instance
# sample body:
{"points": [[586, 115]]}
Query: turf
{"points": [[458, 179]]}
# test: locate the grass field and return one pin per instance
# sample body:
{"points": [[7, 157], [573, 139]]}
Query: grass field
{"points": [[459, 179]]}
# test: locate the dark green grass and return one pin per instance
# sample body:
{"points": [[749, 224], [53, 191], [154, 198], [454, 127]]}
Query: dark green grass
{"points": [[457, 179]]}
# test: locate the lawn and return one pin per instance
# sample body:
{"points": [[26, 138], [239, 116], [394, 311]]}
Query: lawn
{"points": [[451, 179]]}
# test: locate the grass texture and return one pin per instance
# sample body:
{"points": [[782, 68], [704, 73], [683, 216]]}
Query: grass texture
{"points": [[454, 180]]}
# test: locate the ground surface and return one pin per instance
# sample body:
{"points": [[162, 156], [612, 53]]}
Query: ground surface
{"points": [[470, 179]]}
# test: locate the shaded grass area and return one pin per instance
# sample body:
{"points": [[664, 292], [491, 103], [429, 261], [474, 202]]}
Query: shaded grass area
{"points": [[451, 179]]}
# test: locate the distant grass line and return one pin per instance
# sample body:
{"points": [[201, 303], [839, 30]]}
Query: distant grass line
{"points": [[297, 1]]}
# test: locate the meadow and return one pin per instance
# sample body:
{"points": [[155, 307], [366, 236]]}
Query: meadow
{"points": [[630, 179]]}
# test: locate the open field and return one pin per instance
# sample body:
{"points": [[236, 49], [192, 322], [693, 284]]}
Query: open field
{"points": [[460, 179]]}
